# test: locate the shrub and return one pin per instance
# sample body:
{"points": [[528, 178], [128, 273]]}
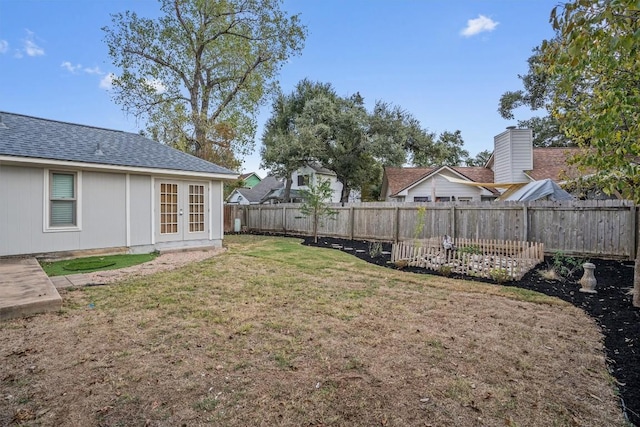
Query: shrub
{"points": [[566, 267], [500, 275], [375, 249], [446, 270]]}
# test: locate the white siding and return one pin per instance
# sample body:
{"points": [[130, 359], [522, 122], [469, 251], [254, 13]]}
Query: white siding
{"points": [[103, 210], [443, 188], [140, 210], [103, 207], [237, 198], [336, 185], [512, 155]]}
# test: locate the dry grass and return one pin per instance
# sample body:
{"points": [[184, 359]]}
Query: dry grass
{"points": [[273, 333]]}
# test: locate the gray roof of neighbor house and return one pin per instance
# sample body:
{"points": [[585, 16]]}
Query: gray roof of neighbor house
{"points": [[255, 194], [32, 137]]}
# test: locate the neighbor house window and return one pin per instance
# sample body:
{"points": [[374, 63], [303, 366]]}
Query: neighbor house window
{"points": [[196, 208], [303, 180], [443, 199], [63, 199], [422, 199]]}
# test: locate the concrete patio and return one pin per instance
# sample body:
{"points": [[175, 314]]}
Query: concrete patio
{"points": [[25, 289]]}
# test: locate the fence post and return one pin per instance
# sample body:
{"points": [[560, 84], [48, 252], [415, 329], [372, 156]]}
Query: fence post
{"points": [[284, 220], [633, 235], [260, 219], [525, 223], [453, 221], [396, 225], [351, 219]]}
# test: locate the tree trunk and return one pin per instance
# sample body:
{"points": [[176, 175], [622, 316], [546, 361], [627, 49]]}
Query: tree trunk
{"points": [[346, 191], [286, 196], [315, 226], [636, 281]]}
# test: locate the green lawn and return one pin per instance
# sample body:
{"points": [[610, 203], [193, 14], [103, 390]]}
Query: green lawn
{"points": [[95, 263]]}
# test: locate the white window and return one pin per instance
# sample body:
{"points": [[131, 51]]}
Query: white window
{"points": [[62, 201]]}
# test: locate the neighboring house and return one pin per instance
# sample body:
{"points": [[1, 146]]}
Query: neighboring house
{"points": [[252, 196], [514, 161], [439, 184], [313, 173], [70, 187], [250, 179], [301, 178]]}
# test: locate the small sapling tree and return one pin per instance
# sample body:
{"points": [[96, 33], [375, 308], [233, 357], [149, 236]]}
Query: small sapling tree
{"points": [[317, 204]]}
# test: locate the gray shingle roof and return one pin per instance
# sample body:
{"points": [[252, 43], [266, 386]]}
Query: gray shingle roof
{"points": [[255, 194], [26, 136]]}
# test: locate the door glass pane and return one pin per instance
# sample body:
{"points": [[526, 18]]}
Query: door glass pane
{"points": [[196, 208], [168, 208]]}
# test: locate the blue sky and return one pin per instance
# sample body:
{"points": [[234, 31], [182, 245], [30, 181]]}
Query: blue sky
{"points": [[446, 62]]}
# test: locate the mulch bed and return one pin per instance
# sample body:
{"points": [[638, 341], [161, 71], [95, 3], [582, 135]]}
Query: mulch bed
{"points": [[611, 307]]}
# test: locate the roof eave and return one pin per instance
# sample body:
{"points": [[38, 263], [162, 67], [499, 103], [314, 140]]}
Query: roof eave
{"points": [[18, 160]]}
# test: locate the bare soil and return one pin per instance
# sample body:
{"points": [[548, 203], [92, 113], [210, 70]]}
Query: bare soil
{"points": [[275, 333], [611, 308]]}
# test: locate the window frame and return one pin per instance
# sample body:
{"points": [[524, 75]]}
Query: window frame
{"points": [[48, 199]]}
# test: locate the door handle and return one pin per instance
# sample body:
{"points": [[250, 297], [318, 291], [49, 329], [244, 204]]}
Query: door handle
{"points": [[180, 212]]}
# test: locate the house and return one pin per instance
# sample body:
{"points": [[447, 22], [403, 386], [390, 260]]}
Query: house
{"points": [[313, 173], [514, 162], [250, 179], [301, 178], [252, 196], [70, 187]]}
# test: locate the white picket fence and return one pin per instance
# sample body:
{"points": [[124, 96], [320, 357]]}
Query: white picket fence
{"points": [[491, 259]]}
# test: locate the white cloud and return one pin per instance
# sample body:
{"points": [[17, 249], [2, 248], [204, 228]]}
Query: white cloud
{"points": [[479, 25], [70, 67], [106, 82], [4, 46], [94, 70], [30, 46], [157, 85]]}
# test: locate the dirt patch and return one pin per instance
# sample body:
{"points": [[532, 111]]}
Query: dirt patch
{"points": [[611, 308]]}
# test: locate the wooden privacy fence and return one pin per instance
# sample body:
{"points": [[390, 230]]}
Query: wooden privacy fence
{"points": [[593, 228], [492, 259]]}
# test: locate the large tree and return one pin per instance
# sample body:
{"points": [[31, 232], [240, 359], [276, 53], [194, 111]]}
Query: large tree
{"points": [[199, 72], [538, 90], [284, 147], [448, 151], [599, 48]]}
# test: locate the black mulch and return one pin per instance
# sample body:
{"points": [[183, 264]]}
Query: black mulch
{"points": [[611, 308]]}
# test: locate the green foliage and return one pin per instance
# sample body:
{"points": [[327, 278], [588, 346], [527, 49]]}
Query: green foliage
{"points": [[500, 275], [316, 203], [480, 159], [284, 149], [539, 89], [595, 64], [314, 124], [445, 270], [447, 151], [96, 263], [375, 249], [471, 249], [566, 267], [198, 73]]}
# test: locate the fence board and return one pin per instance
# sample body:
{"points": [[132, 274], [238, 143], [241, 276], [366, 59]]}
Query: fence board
{"points": [[593, 228]]}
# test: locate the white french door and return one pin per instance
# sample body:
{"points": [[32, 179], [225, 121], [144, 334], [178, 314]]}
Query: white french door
{"points": [[182, 210]]}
